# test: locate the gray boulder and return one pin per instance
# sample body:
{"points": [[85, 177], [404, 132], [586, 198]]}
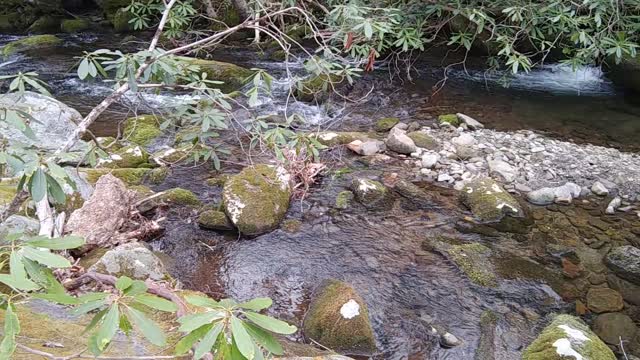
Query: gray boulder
{"points": [[560, 195], [503, 170], [399, 142], [472, 123], [55, 121], [133, 260], [19, 223], [624, 261]]}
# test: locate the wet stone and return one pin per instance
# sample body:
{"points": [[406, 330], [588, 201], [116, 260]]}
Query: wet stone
{"points": [[611, 327], [601, 300]]}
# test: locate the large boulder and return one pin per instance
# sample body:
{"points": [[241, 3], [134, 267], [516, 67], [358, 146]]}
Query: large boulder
{"points": [[624, 261], [233, 76], [19, 223], [489, 202], [31, 43], [399, 142], [338, 318], [257, 198], [614, 327], [55, 121], [567, 337], [142, 130], [100, 218], [132, 156], [133, 260]]}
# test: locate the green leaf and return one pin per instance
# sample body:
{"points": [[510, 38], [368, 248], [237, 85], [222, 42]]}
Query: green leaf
{"points": [[46, 258], [156, 302], [83, 69], [147, 327], [63, 243], [89, 306], [271, 324], [191, 322], [125, 324], [108, 328], [201, 301], [242, 338], [123, 283], [265, 339], [11, 329], [55, 190], [58, 298], [17, 284], [137, 287], [38, 185], [96, 319], [207, 342], [256, 304], [184, 345]]}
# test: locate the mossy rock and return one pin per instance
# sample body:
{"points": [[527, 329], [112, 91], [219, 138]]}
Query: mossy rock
{"points": [[626, 73], [219, 180], [451, 119], [128, 176], [473, 259], [369, 193], [291, 226], [35, 42], [142, 130], [45, 24], [16, 21], [111, 7], [424, 140], [180, 196], [72, 203], [566, 337], [132, 156], [215, 220], [317, 87], [343, 200], [338, 318], [74, 25], [386, 124], [331, 138], [489, 202], [7, 193], [176, 155], [120, 21], [233, 76], [257, 198]]}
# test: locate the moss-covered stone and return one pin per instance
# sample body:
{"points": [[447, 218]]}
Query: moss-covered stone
{"points": [[563, 338], [45, 24], [110, 7], [489, 202], [369, 193], [233, 76], [132, 156], [423, 140], [291, 226], [473, 260], [219, 180], [120, 21], [128, 176], [74, 25], [331, 138], [142, 130], [343, 200], [214, 220], [157, 176], [385, 124], [257, 198], [626, 74], [338, 318], [317, 87], [36, 42], [451, 119], [179, 196]]}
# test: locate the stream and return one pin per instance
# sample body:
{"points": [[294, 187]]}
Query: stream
{"points": [[387, 255]]}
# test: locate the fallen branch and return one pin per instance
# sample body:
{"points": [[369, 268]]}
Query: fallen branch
{"points": [[79, 355]]}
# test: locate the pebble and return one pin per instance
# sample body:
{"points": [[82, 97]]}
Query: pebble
{"points": [[613, 205], [599, 189], [445, 178], [449, 340], [430, 160]]}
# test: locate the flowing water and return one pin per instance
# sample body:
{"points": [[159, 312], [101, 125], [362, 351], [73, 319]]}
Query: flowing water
{"points": [[384, 254]]}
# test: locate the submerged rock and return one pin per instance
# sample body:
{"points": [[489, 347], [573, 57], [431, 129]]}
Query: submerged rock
{"points": [[343, 200], [624, 261], [489, 202], [338, 318], [472, 259], [55, 121], [133, 260], [31, 43], [103, 214], [613, 327], [560, 195], [601, 300], [215, 220], [232, 76], [257, 198], [567, 337], [369, 193]]}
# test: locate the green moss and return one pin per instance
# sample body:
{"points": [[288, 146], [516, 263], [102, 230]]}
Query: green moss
{"points": [[219, 180], [257, 199], [325, 324], [128, 176], [30, 43], [181, 196], [369, 193], [542, 348], [451, 119], [73, 202], [7, 193], [214, 220], [142, 130], [472, 259], [488, 201], [74, 25], [331, 138], [233, 76], [317, 87], [423, 140], [386, 124], [157, 176], [343, 200], [45, 24], [127, 157], [291, 226]]}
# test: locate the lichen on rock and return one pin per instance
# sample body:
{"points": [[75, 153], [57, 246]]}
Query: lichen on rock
{"points": [[339, 319], [343, 200], [369, 193], [566, 337], [133, 260], [74, 25], [232, 76], [257, 198], [331, 138], [450, 119], [489, 202]]}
